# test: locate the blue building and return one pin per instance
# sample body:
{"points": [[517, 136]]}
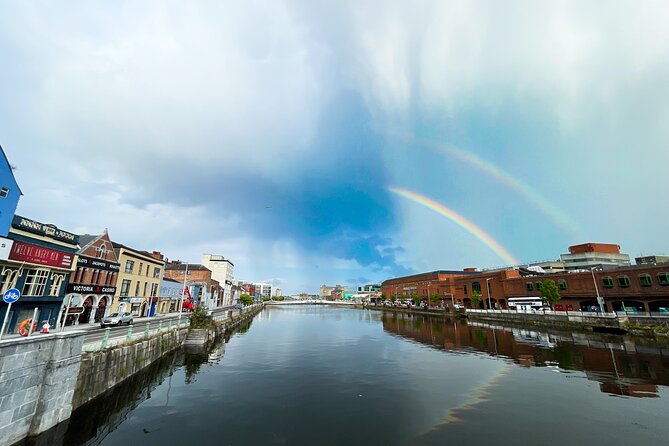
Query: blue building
{"points": [[9, 194]]}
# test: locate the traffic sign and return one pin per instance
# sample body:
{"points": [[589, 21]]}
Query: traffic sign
{"points": [[11, 295]]}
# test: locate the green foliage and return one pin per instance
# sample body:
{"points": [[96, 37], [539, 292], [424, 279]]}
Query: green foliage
{"points": [[434, 297], [246, 299], [278, 298], [199, 318], [476, 299], [416, 298], [393, 298], [549, 292], [265, 298]]}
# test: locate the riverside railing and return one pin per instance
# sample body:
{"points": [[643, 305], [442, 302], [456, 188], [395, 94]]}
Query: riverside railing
{"points": [[610, 315]]}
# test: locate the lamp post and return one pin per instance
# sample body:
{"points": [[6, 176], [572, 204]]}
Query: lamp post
{"points": [[428, 295], [183, 291], [600, 300], [487, 286]]}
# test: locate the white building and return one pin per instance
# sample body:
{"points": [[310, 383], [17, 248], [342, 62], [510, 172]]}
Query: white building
{"points": [[263, 289], [277, 292], [222, 270]]}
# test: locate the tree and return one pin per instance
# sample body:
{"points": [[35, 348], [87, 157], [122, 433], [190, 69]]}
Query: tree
{"points": [[416, 298], [476, 298], [246, 299], [278, 298], [199, 318], [549, 292], [434, 298]]}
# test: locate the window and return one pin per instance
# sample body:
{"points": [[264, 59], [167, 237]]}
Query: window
{"points": [[129, 265], [56, 281], [476, 287], [145, 286], [562, 284], [465, 289], [9, 279], [35, 282], [623, 281], [137, 289], [125, 287], [607, 281], [154, 289], [156, 273], [102, 251], [663, 279], [147, 269], [4, 192], [538, 286], [529, 286], [141, 267], [645, 280]]}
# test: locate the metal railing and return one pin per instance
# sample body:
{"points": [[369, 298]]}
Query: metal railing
{"points": [[573, 313]]}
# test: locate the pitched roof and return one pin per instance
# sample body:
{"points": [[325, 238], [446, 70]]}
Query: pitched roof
{"points": [[191, 266]]}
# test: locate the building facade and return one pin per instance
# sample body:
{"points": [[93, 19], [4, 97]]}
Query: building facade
{"points": [[37, 259], [139, 280], [95, 276], [170, 294], [9, 194], [222, 270], [594, 255], [204, 290], [263, 290]]}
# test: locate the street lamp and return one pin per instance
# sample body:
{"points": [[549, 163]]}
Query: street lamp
{"points": [[600, 300], [487, 286], [428, 295]]}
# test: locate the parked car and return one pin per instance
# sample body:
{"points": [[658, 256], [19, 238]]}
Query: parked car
{"points": [[116, 319]]}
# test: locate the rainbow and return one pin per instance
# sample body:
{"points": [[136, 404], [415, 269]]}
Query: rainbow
{"points": [[460, 221], [522, 188]]}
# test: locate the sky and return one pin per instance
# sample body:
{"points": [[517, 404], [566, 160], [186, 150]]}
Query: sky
{"points": [[342, 141]]}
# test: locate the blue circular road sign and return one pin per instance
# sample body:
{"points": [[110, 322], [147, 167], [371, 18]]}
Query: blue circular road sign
{"points": [[11, 295]]}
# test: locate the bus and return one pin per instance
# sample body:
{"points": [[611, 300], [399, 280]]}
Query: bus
{"points": [[527, 304]]}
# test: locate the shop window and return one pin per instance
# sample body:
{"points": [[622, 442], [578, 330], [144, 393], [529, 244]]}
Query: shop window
{"points": [[9, 277], [645, 280], [529, 286], [476, 287], [623, 281], [562, 284], [607, 281], [663, 279]]}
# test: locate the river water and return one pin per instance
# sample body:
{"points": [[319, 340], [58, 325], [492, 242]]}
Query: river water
{"points": [[315, 375]]}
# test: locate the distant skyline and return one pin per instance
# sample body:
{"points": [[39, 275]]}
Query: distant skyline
{"points": [[278, 134]]}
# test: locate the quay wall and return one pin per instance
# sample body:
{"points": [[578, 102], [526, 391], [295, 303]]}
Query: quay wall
{"points": [[104, 369], [37, 380]]}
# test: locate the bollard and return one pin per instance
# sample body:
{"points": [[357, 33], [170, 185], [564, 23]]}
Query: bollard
{"points": [[105, 339], [128, 337], [146, 330]]}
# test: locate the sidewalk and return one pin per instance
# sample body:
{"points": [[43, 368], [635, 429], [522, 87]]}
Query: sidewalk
{"points": [[96, 325]]}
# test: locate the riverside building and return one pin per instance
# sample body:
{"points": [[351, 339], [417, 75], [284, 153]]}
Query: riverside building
{"points": [[138, 281]]}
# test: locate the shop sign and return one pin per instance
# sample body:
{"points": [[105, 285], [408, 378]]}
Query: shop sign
{"points": [[90, 262], [25, 252], [45, 230], [5, 247], [136, 300], [90, 289]]}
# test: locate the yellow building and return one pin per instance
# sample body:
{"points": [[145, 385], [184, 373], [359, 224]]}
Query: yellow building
{"points": [[138, 283]]}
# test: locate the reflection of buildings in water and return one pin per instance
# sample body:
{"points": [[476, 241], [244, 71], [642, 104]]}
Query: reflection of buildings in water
{"points": [[216, 353], [621, 365]]}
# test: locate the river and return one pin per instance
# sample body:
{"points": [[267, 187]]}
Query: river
{"points": [[315, 375]]}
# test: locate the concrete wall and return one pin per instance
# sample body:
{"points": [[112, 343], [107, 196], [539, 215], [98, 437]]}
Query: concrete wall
{"points": [[37, 377], [102, 370]]}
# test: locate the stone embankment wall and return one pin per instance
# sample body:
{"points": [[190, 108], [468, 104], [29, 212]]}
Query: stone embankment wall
{"points": [[575, 321], [102, 370], [37, 377]]}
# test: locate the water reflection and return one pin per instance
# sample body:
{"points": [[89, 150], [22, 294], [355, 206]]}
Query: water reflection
{"points": [[621, 365]]}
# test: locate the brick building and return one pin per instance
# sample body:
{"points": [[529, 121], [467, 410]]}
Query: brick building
{"points": [[203, 288], [95, 277], [638, 288]]}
